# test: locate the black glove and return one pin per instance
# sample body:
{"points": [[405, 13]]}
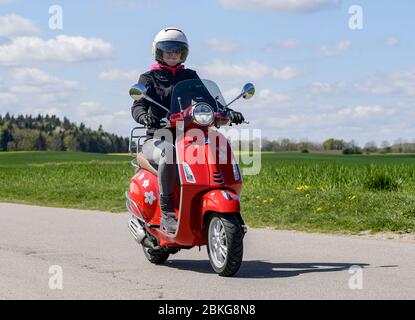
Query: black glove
{"points": [[150, 121], [235, 117]]}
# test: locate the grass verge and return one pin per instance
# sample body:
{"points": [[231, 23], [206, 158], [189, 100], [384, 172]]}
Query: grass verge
{"points": [[305, 192]]}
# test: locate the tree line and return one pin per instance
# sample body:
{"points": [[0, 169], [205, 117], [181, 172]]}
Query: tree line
{"points": [[399, 146], [50, 133]]}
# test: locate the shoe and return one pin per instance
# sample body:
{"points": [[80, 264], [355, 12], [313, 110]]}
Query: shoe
{"points": [[168, 216], [168, 222]]}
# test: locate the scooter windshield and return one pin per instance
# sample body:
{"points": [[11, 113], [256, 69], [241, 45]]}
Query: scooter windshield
{"points": [[192, 91]]}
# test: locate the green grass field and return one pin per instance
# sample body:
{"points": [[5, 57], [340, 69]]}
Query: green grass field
{"points": [[65, 179], [307, 192]]}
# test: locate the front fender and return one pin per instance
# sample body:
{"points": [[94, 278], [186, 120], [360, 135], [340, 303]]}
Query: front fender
{"points": [[221, 201]]}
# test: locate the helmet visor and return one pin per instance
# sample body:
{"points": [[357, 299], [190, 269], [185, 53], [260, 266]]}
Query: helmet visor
{"points": [[172, 46]]}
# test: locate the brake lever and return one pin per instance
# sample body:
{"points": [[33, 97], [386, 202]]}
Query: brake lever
{"points": [[245, 122], [164, 122]]}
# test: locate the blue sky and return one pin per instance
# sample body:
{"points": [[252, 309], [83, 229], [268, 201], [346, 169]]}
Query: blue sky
{"points": [[316, 78]]}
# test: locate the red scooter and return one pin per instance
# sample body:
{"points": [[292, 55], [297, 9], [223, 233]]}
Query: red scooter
{"points": [[207, 199]]}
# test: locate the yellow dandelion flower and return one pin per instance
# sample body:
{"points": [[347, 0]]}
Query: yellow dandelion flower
{"points": [[303, 188]]}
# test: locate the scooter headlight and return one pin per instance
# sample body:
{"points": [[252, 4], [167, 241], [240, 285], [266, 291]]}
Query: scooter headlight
{"points": [[203, 114]]}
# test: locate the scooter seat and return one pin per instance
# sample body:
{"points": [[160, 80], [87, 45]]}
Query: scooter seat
{"points": [[147, 165]]}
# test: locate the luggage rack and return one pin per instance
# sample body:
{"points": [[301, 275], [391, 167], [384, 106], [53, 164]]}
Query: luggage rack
{"points": [[136, 141], [136, 144]]}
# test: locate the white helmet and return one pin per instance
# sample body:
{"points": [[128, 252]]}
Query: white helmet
{"points": [[170, 40]]}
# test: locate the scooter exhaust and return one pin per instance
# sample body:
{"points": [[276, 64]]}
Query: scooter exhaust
{"points": [[136, 229]]}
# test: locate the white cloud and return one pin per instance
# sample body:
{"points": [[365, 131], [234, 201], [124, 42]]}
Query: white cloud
{"points": [[37, 87], [119, 75], [45, 111], [392, 41], [266, 96], [333, 50], [324, 88], [363, 111], [358, 122], [289, 44], [251, 71], [290, 6], [400, 82], [14, 25], [286, 73], [86, 109], [320, 88], [34, 91], [7, 99], [36, 78], [222, 46], [279, 114], [119, 122], [231, 94], [63, 48]]}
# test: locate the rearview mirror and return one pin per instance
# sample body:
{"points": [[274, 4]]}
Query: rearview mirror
{"points": [[138, 92], [248, 91]]}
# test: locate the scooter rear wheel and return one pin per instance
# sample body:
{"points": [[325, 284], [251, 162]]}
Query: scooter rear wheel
{"points": [[225, 244], [155, 257]]}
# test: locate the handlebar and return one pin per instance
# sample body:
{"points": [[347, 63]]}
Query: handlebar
{"points": [[164, 123]]}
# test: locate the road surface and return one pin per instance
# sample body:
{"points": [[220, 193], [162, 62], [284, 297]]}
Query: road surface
{"points": [[99, 259]]}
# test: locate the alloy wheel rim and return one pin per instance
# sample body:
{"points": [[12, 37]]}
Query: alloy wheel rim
{"points": [[218, 244]]}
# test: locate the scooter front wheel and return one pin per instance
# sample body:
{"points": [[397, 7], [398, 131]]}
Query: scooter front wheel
{"points": [[225, 244]]}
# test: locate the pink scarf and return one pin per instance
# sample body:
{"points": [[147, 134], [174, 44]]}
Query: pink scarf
{"points": [[174, 70]]}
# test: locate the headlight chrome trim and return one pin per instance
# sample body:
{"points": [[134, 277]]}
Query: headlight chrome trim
{"points": [[194, 116]]}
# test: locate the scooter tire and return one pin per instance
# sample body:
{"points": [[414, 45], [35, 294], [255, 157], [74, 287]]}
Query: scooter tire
{"points": [[155, 258], [234, 242]]}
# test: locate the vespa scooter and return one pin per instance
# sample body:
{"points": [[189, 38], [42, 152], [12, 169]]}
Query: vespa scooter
{"points": [[207, 199]]}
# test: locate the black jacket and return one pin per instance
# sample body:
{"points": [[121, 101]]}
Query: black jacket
{"points": [[159, 84]]}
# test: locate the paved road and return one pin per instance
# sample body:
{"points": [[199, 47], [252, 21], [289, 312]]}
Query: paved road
{"points": [[100, 260]]}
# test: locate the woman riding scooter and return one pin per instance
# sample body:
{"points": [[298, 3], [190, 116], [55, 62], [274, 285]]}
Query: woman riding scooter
{"points": [[170, 50]]}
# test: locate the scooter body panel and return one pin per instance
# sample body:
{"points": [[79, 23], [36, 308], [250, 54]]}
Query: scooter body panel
{"points": [[209, 181], [220, 201], [144, 191]]}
